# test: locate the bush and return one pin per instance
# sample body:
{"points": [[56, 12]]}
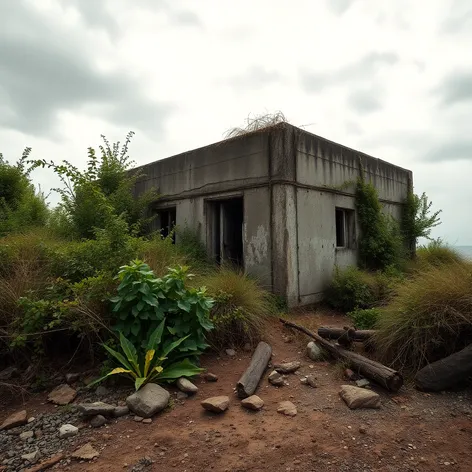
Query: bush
{"points": [[241, 308], [365, 318], [430, 318], [354, 288], [435, 253], [144, 301]]}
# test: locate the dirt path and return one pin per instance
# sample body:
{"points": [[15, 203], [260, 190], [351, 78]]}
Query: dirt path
{"points": [[412, 431]]}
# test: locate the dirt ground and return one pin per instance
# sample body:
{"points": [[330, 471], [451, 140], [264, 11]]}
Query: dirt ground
{"points": [[412, 431]]}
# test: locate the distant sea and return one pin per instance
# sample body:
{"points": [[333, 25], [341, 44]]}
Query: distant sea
{"points": [[465, 251]]}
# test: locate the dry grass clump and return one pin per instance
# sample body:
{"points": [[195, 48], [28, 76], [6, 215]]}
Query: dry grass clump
{"points": [[435, 254], [257, 122], [430, 318], [241, 308]]}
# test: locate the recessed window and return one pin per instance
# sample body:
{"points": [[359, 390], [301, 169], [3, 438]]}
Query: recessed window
{"points": [[344, 228], [165, 221]]}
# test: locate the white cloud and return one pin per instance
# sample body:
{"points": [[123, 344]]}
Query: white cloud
{"points": [[388, 78]]}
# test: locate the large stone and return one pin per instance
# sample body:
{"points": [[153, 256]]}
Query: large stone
{"points": [[356, 397], [67, 431], [62, 395], [216, 404], [276, 379], [184, 385], [96, 408], [314, 352], [120, 411], [288, 367], [16, 419], [287, 408], [85, 453], [148, 401], [252, 403], [98, 421], [9, 373]]}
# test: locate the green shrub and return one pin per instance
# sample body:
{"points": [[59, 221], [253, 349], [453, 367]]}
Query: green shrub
{"points": [[365, 318], [435, 253], [241, 308], [143, 301], [430, 318]]}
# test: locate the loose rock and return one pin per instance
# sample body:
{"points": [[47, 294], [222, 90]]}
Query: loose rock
{"points": [[72, 378], [184, 385], [85, 453], [247, 347], [62, 395], [101, 391], [9, 373], [147, 420], [16, 419], [67, 431], [276, 379], [25, 435], [120, 411], [98, 421], [31, 457], [96, 408], [149, 400], [230, 352], [209, 377], [363, 429], [288, 367], [182, 396], [350, 375], [356, 397], [363, 383], [309, 380], [138, 419], [252, 403], [216, 404], [314, 352], [287, 408]]}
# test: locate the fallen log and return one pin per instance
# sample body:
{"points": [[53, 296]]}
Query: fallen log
{"points": [[359, 335], [249, 381], [383, 375], [446, 373]]}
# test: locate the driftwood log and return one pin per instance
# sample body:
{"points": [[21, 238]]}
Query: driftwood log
{"points": [[357, 335], [379, 373], [249, 381], [446, 373]]}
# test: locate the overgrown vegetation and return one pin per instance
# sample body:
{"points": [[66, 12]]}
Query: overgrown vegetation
{"points": [[365, 318]]}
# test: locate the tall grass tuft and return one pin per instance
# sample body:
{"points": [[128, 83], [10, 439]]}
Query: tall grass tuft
{"points": [[436, 253], [430, 318], [241, 310]]}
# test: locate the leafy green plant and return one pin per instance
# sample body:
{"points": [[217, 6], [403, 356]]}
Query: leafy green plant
{"points": [[365, 318], [143, 301], [150, 364]]}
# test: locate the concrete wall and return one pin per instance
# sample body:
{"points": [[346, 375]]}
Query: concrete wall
{"points": [[233, 168]]}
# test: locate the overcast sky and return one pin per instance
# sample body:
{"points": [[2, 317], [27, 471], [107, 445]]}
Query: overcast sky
{"points": [[392, 79]]}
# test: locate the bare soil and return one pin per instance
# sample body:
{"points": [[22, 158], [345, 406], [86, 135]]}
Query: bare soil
{"points": [[412, 431]]}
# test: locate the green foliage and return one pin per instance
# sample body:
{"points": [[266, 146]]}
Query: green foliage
{"points": [[90, 199], [143, 301], [417, 219], [381, 243], [241, 308], [353, 288], [21, 207], [365, 318], [429, 319], [151, 362], [435, 253]]}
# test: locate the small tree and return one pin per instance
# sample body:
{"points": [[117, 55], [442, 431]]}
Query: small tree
{"points": [[418, 219]]}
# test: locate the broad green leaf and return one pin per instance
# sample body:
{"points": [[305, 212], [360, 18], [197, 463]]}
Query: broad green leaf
{"points": [[138, 382], [180, 369], [130, 353], [158, 369], [119, 357], [149, 357], [173, 345], [118, 370], [135, 327], [156, 336], [184, 305]]}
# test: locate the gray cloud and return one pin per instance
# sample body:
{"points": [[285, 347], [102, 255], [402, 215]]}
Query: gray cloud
{"points": [[367, 66], [453, 150], [364, 101], [43, 73], [455, 88], [256, 77], [339, 6], [459, 19]]}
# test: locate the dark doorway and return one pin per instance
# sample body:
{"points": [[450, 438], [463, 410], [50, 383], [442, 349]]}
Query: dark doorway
{"points": [[226, 230], [165, 221]]}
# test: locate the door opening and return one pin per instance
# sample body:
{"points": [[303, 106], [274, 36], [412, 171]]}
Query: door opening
{"points": [[226, 230]]}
